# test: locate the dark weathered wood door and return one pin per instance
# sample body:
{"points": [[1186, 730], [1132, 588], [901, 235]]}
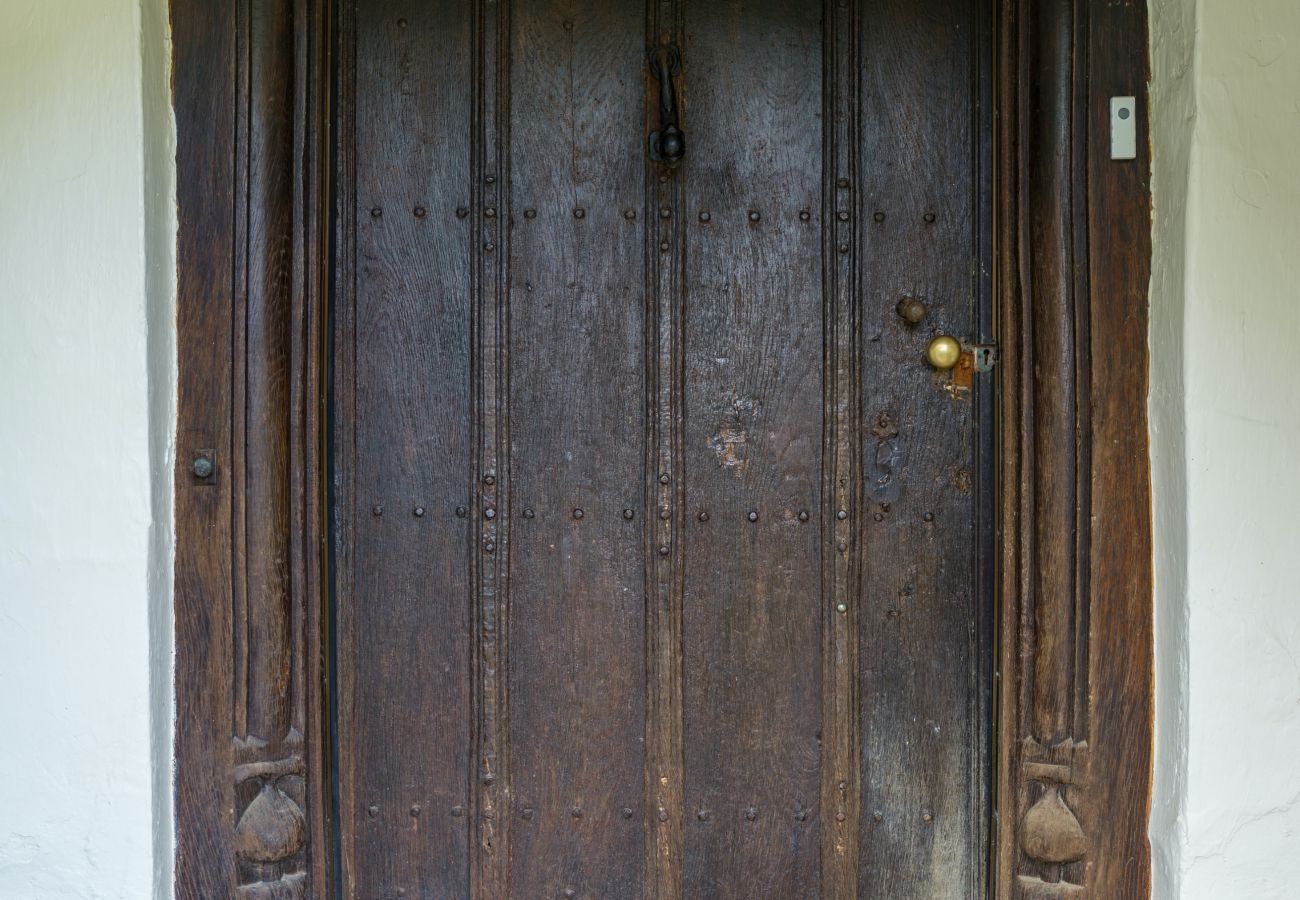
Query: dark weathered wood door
{"points": [[661, 557]]}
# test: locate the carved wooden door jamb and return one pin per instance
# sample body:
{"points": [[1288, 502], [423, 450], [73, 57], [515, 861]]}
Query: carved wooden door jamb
{"points": [[1073, 726]]}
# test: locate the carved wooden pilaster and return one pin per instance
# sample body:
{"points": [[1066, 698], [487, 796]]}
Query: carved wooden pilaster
{"points": [[270, 561], [249, 405], [1044, 845]]}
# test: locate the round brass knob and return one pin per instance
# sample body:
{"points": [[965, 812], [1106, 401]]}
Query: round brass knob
{"points": [[911, 310], [944, 352]]}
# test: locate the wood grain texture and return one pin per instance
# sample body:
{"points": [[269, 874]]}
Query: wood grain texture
{"points": [[1075, 723], [404, 454], [664, 487], [752, 607], [204, 58], [926, 614], [497, 361], [841, 482], [577, 680]]}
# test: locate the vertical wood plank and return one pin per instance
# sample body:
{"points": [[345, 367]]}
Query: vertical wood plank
{"points": [[1120, 579], [753, 352], [925, 680], [403, 403], [204, 41], [577, 682]]}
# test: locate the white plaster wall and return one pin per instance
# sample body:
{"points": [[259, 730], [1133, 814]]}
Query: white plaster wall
{"points": [[1229, 648], [85, 320]]}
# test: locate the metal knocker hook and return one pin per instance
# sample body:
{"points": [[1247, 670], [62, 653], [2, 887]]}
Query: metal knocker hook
{"points": [[668, 144]]}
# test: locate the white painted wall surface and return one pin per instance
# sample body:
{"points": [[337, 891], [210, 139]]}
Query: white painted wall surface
{"points": [[87, 400], [78, 451], [1235, 833]]}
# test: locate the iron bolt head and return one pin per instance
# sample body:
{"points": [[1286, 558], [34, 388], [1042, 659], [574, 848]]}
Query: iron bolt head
{"points": [[203, 467]]}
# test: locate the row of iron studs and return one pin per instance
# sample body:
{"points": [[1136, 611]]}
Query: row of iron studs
{"points": [[705, 216]]}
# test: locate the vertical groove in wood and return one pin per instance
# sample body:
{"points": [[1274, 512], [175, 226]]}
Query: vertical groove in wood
{"points": [[343, 497], [270, 371], [665, 488], [489, 870], [1048, 840], [1050, 295], [312, 205], [841, 488]]}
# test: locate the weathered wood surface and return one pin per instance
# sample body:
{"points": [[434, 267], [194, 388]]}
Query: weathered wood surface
{"points": [[660, 564]]}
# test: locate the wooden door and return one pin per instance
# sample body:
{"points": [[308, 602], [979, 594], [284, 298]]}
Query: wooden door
{"points": [[661, 552]]}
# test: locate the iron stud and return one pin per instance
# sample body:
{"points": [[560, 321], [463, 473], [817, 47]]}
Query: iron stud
{"points": [[419, 512], [377, 510], [580, 213], [578, 513], [462, 512], [489, 513], [528, 512], [420, 212], [879, 217], [752, 516], [804, 215], [704, 216], [530, 214], [803, 515], [754, 215], [629, 513], [842, 514]]}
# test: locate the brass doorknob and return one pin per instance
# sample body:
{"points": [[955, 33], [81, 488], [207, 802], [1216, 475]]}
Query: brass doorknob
{"points": [[944, 352]]}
